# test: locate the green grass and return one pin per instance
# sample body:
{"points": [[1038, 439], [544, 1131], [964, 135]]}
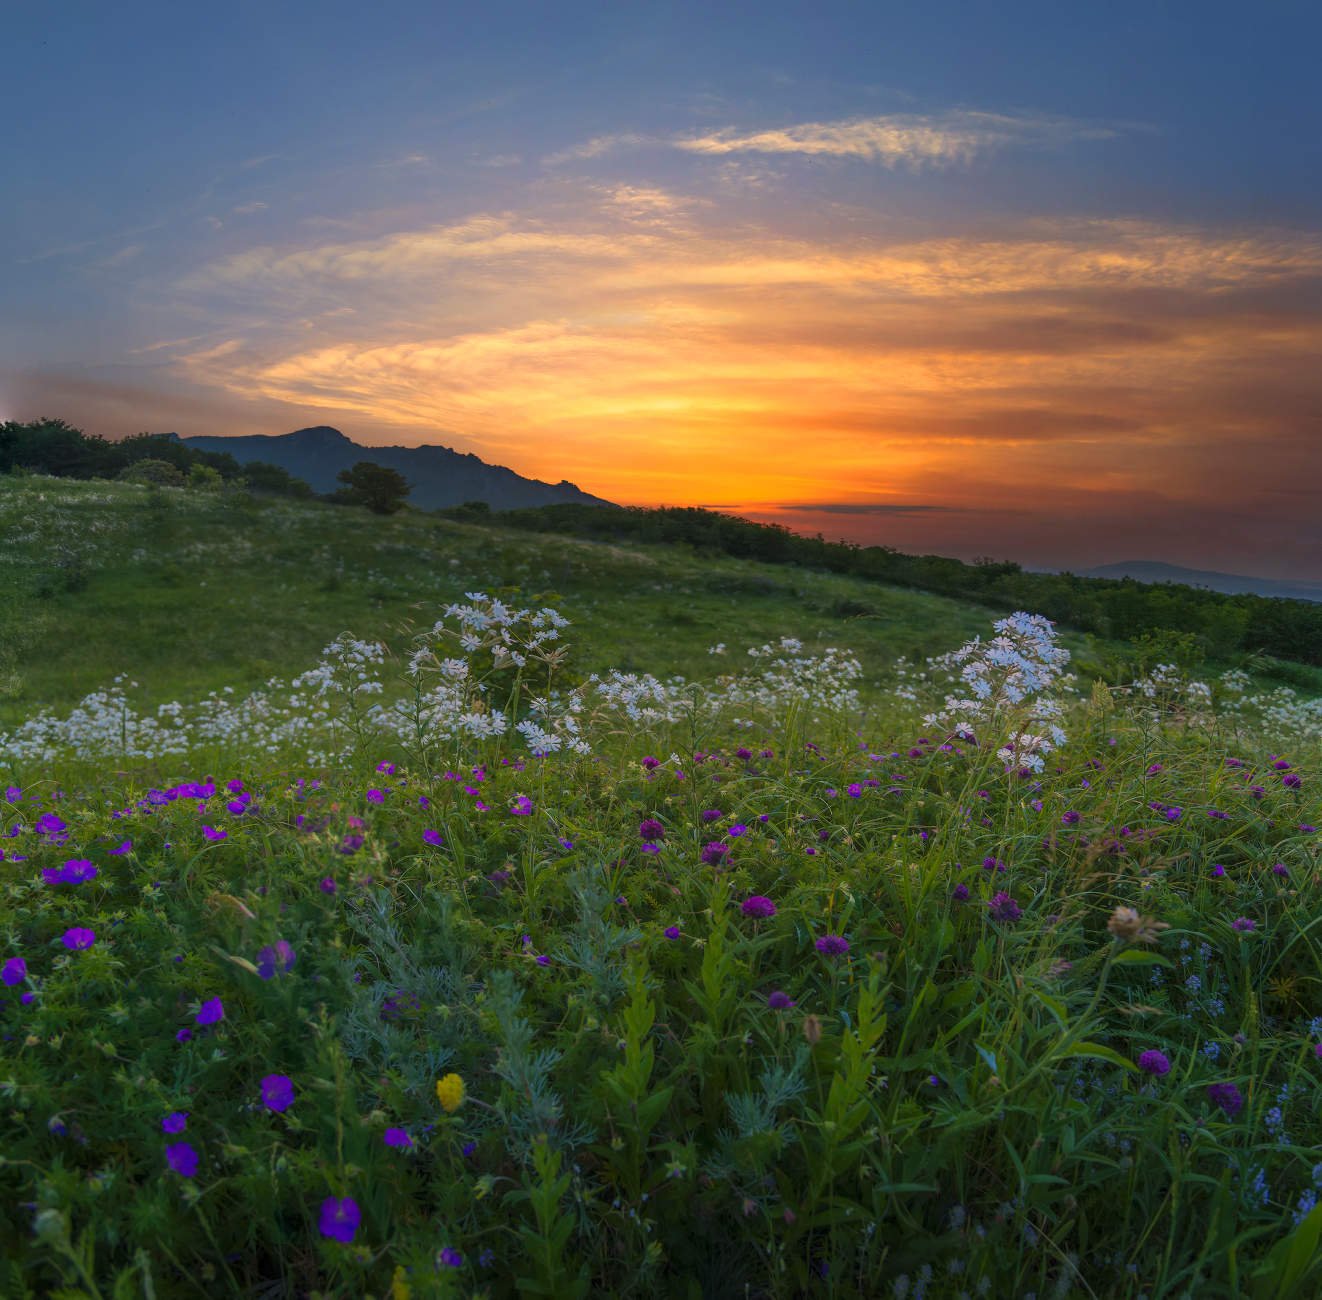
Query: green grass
{"points": [[186, 592], [954, 1105]]}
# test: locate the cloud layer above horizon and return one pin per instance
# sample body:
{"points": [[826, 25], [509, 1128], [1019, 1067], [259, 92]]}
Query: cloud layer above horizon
{"points": [[923, 325]]}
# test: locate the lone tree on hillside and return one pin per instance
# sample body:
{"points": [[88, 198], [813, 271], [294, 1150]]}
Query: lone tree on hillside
{"points": [[380, 489]]}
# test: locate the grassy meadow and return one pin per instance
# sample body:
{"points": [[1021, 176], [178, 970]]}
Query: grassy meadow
{"points": [[508, 928]]}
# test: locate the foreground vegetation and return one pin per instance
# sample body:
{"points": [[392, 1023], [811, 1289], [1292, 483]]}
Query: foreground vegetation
{"points": [[462, 972]]}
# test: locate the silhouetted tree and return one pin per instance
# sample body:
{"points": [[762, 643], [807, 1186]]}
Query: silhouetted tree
{"points": [[380, 489]]}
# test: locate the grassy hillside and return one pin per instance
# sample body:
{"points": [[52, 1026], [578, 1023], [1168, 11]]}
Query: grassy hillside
{"points": [[801, 980], [187, 591]]}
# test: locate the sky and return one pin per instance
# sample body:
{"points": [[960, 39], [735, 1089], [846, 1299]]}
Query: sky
{"points": [[1033, 281]]}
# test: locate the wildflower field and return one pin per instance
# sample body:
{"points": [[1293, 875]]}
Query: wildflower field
{"points": [[453, 960]]}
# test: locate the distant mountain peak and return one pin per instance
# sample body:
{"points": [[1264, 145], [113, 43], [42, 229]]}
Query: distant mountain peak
{"points": [[439, 475], [1227, 583]]}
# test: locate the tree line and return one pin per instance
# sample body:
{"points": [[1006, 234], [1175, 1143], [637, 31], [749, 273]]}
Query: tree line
{"points": [[1218, 626], [53, 447]]}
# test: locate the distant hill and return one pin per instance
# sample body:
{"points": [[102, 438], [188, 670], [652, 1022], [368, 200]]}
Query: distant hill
{"points": [[1232, 584], [439, 476]]}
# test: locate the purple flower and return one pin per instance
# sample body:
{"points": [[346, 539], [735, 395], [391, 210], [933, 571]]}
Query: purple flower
{"points": [[1154, 1062], [182, 1158], [712, 814], [451, 1258], [543, 960], [126, 847], [328, 885], [78, 938], [649, 763], [433, 838], [960, 893], [1069, 818], [522, 806], [210, 1012], [713, 853], [758, 906], [175, 1123], [183, 1036], [74, 872], [1292, 780], [651, 830], [779, 1001], [340, 1218], [213, 834], [737, 830], [1218, 870], [832, 945], [1243, 924], [671, 932], [350, 844], [14, 971], [386, 766], [1003, 908], [397, 1138], [277, 1092], [275, 959], [993, 864], [1280, 869], [1227, 1096]]}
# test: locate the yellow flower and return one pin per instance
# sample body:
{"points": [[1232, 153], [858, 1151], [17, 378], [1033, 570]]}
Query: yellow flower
{"points": [[450, 1093], [399, 1285]]}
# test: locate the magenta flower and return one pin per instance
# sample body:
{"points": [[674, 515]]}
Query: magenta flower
{"points": [[175, 1123], [78, 939], [433, 838], [1154, 1062], [375, 796], [397, 1138], [832, 945], [340, 1218], [213, 834], [14, 971], [522, 806], [211, 1012], [758, 906], [671, 932], [182, 1159], [1243, 924], [277, 1092]]}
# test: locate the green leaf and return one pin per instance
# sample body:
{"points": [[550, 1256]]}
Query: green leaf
{"points": [[1141, 957], [1101, 1052]]}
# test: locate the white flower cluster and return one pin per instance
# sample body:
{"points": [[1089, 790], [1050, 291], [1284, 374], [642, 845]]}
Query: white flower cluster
{"points": [[1271, 714], [1008, 680], [785, 676]]}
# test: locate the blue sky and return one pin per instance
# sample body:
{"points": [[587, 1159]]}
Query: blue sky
{"points": [[1049, 272]]}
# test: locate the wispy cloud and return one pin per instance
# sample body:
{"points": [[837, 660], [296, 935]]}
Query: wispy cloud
{"points": [[861, 508], [247, 209], [909, 139]]}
